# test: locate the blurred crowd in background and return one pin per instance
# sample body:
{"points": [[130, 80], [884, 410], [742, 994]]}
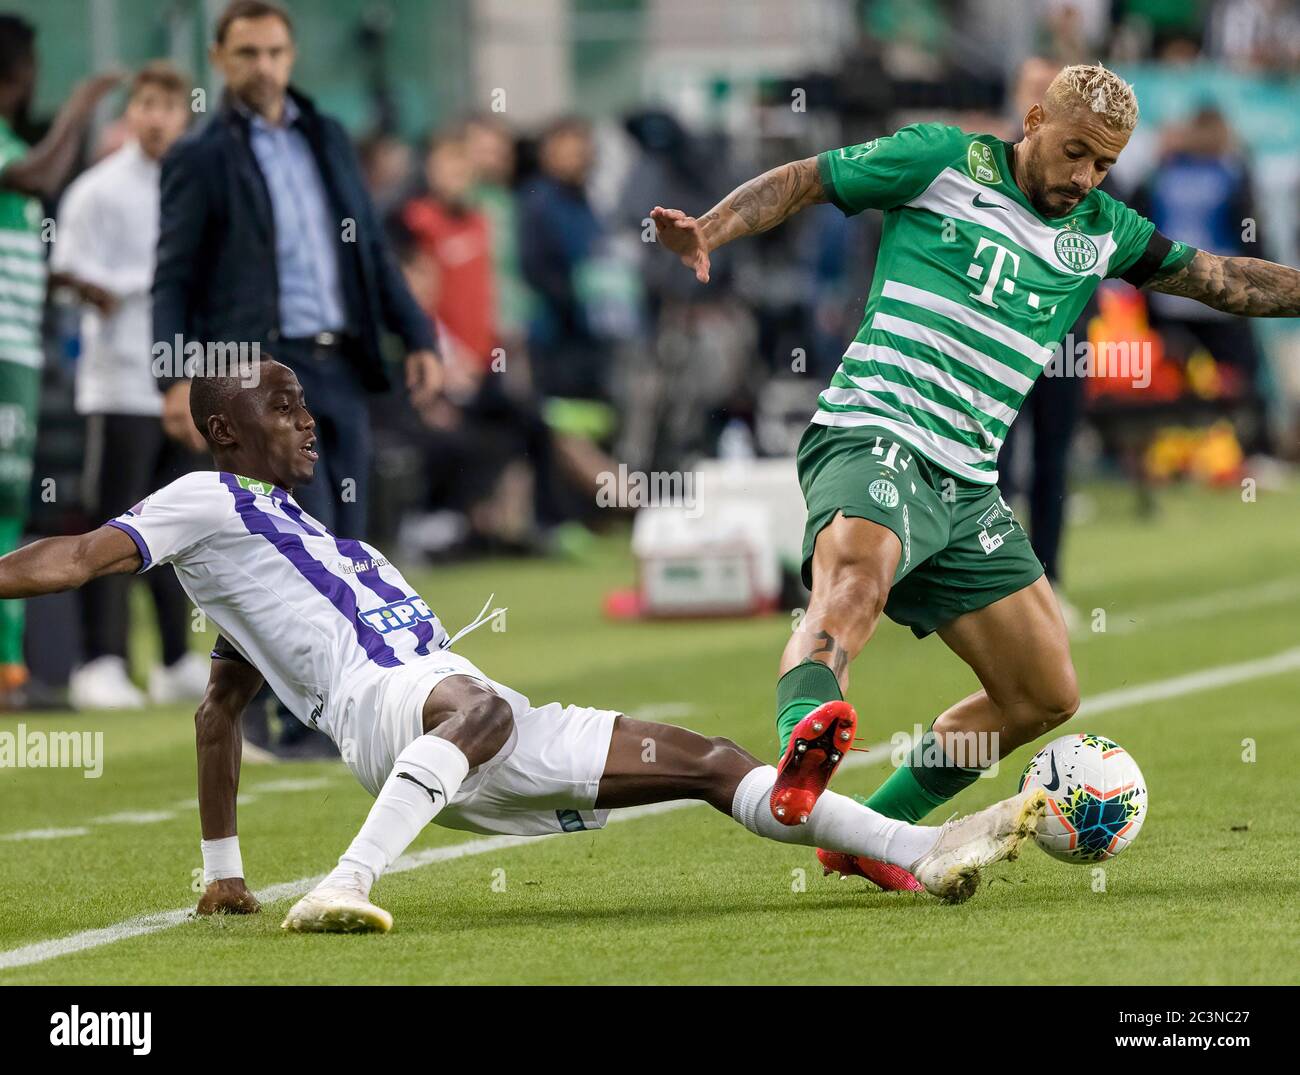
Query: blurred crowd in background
{"points": [[571, 344]]}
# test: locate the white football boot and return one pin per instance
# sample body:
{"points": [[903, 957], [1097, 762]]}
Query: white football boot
{"points": [[104, 684], [951, 869], [337, 907]]}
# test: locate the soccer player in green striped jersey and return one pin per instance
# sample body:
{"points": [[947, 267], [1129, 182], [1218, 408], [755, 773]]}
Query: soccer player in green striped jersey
{"points": [[990, 250], [27, 173]]}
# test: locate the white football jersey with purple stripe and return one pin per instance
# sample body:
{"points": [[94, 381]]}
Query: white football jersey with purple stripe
{"points": [[311, 611]]}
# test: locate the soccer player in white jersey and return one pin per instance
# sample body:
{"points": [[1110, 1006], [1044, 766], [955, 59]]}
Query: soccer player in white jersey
{"points": [[351, 649], [989, 252]]}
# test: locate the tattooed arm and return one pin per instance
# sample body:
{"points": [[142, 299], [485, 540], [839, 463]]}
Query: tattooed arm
{"points": [[753, 207], [1247, 286]]}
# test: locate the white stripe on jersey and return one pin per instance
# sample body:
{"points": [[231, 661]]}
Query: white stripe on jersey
{"points": [[953, 348], [923, 371], [972, 319], [957, 457], [314, 613], [864, 395], [23, 290], [952, 194], [22, 242]]}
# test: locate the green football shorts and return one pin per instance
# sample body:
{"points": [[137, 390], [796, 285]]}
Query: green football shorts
{"points": [[962, 546]]}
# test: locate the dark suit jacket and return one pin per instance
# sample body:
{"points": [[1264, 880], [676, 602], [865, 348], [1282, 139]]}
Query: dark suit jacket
{"points": [[216, 277]]}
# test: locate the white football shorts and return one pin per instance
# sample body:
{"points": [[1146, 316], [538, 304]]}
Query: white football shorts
{"points": [[544, 780]]}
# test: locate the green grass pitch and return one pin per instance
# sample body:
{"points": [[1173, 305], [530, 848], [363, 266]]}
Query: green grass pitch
{"points": [[1205, 895]]}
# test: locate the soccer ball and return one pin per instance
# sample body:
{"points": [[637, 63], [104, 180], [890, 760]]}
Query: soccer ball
{"points": [[1096, 797]]}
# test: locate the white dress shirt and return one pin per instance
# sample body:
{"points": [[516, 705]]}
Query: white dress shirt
{"points": [[106, 235]]}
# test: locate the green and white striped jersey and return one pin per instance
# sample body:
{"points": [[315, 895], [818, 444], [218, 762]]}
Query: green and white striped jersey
{"points": [[973, 289], [22, 265]]}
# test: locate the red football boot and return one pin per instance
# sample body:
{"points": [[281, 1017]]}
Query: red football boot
{"points": [[817, 745], [881, 874]]}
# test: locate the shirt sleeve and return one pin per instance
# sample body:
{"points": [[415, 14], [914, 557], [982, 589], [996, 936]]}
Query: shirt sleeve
{"points": [[171, 522], [1141, 252], [887, 172]]}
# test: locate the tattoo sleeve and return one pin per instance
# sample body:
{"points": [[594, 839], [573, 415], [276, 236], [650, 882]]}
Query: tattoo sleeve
{"points": [[764, 202], [1247, 286]]}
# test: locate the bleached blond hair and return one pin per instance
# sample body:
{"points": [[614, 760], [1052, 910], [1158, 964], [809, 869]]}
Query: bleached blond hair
{"points": [[1096, 88]]}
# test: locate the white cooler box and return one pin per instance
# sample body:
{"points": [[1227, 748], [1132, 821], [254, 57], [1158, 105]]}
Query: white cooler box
{"points": [[722, 555]]}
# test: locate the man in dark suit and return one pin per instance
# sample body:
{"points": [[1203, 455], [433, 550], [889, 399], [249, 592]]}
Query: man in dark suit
{"points": [[268, 236]]}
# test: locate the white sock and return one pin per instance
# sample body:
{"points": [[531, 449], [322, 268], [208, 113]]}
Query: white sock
{"points": [[837, 823], [425, 777]]}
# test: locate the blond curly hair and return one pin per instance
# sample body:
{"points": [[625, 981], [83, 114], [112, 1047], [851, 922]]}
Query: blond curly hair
{"points": [[1098, 89]]}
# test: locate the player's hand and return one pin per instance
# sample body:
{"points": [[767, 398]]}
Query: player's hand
{"points": [[102, 300], [87, 93], [228, 896], [682, 235], [423, 377], [176, 420]]}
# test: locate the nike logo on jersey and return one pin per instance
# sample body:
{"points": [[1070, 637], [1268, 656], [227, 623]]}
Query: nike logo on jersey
{"points": [[397, 615], [979, 203], [433, 792]]}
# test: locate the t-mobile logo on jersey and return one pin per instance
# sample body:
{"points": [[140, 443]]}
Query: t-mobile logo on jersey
{"points": [[1000, 256]]}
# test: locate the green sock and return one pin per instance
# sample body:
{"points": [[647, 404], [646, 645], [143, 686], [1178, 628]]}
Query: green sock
{"points": [[11, 612], [919, 785], [799, 692]]}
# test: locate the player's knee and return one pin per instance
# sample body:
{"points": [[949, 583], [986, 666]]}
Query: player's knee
{"points": [[1060, 702], [489, 720], [857, 594]]}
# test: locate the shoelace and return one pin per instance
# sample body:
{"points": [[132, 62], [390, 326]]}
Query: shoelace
{"points": [[483, 617]]}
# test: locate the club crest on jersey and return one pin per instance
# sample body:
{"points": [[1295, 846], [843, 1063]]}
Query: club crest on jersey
{"points": [[1075, 250], [397, 615], [981, 165], [254, 486], [884, 492]]}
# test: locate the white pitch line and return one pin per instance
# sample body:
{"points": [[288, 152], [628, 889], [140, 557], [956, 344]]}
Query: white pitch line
{"points": [[157, 922], [1161, 690], [186, 806], [1204, 606], [45, 834], [1192, 683]]}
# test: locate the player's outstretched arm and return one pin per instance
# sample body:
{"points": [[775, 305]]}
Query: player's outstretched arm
{"points": [[55, 564], [1247, 286], [752, 208], [219, 740]]}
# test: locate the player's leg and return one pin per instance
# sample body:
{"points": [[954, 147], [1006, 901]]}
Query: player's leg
{"points": [[1019, 650], [853, 565], [875, 513], [465, 724], [650, 763]]}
